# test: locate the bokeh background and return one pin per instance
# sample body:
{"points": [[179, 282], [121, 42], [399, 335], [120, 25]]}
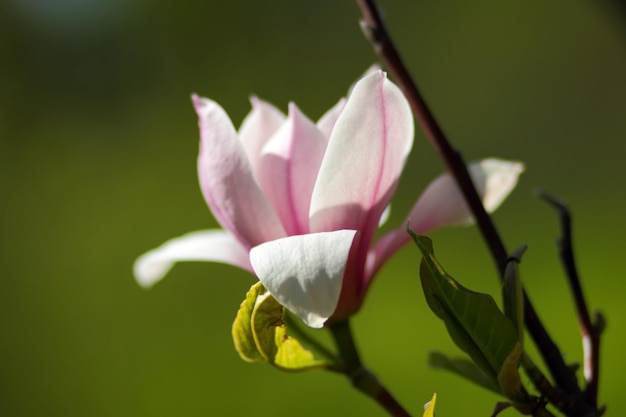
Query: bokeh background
{"points": [[98, 143]]}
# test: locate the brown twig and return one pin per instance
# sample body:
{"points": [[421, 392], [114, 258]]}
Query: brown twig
{"points": [[375, 31], [590, 329]]}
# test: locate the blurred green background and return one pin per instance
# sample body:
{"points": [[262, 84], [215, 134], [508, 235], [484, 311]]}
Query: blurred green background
{"points": [[98, 142]]}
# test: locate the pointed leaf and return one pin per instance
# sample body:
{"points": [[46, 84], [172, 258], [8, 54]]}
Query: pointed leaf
{"points": [[463, 367], [473, 319], [429, 407]]}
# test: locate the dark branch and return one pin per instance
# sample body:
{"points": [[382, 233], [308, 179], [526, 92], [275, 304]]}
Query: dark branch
{"points": [[576, 403], [375, 31], [589, 329]]}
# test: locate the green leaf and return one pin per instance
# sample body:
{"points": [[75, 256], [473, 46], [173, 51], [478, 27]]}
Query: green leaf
{"points": [[272, 341], [242, 327], [429, 407], [463, 367], [472, 319], [260, 334]]}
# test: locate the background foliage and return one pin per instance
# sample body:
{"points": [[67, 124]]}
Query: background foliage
{"points": [[98, 142]]}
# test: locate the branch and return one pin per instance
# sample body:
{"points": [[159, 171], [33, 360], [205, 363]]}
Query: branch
{"points": [[375, 31], [589, 329], [575, 402], [360, 377]]}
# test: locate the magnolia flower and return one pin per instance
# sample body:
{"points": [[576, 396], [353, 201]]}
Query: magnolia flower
{"points": [[300, 202]]}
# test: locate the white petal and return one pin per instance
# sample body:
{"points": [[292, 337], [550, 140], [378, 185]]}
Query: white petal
{"points": [[495, 179], [305, 273], [203, 245]]}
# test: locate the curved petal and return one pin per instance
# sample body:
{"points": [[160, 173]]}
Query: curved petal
{"points": [[326, 123], [258, 127], [365, 156], [203, 245], [495, 179], [288, 170], [305, 273], [227, 182], [442, 204], [328, 120], [375, 67]]}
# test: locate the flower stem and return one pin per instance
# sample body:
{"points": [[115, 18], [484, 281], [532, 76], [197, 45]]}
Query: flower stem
{"points": [[360, 377]]}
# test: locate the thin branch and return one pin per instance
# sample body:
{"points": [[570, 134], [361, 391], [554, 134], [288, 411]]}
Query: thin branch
{"points": [[540, 382], [375, 31], [360, 377], [589, 329]]}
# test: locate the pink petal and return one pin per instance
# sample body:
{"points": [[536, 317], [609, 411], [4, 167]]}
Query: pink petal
{"points": [[288, 169], [374, 68], [365, 156], [305, 273], [326, 123], [203, 245], [328, 120], [227, 182], [442, 204], [258, 127]]}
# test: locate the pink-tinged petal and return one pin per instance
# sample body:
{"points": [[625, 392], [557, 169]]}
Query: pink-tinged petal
{"points": [[305, 273], [365, 156], [258, 127], [288, 169], [369, 71], [203, 245], [442, 204], [326, 123], [328, 120], [227, 182]]}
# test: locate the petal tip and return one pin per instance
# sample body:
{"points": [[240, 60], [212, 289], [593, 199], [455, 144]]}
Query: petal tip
{"points": [[316, 322], [148, 271], [255, 101], [196, 100]]}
